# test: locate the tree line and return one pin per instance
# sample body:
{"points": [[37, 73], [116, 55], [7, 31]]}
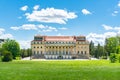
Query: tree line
{"points": [[11, 50], [110, 47]]}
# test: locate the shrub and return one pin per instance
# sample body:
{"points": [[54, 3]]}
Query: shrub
{"points": [[18, 58], [118, 57], [7, 56], [113, 57]]}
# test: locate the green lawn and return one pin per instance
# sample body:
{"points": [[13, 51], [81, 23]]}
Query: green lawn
{"points": [[59, 70]]}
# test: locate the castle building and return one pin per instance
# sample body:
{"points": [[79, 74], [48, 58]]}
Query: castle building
{"points": [[60, 47]]}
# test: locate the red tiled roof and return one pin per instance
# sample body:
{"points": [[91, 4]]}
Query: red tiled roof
{"points": [[59, 38]]}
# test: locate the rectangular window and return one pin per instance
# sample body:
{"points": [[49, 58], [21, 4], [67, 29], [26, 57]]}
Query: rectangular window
{"points": [[37, 42], [34, 52], [41, 52], [37, 52], [85, 52], [81, 52]]}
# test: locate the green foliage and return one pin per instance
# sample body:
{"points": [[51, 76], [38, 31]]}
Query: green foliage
{"points": [[99, 51], [118, 49], [25, 52], [18, 58], [92, 48], [113, 57], [1, 51], [111, 45], [118, 58], [13, 47], [7, 56]]}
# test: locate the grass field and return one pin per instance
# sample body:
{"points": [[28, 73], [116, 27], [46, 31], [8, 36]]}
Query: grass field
{"points": [[59, 70]]}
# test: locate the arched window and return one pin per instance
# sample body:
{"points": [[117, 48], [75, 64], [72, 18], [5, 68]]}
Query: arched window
{"points": [[81, 52], [66, 53], [37, 52]]}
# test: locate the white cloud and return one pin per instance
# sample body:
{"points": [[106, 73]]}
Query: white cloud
{"points": [[51, 15], [52, 28], [39, 28], [117, 28], [49, 29], [36, 7], [24, 44], [19, 17], [63, 28], [46, 30], [115, 13], [25, 27], [29, 27], [106, 27], [3, 35], [118, 4], [99, 38], [86, 12], [6, 36], [24, 8], [96, 38], [59, 34], [110, 34], [1, 31], [42, 26], [15, 28]]}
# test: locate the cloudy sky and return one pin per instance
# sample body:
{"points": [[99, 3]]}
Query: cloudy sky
{"points": [[95, 19]]}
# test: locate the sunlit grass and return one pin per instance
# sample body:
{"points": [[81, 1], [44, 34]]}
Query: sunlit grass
{"points": [[60, 70]]}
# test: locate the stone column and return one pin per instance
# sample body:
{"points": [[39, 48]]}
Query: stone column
{"points": [[69, 50]]}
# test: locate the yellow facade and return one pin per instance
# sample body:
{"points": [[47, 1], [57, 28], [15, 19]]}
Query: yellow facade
{"points": [[60, 47]]}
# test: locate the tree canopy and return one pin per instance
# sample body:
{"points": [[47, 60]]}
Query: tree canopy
{"points": [[12, 46], [111, 45]]}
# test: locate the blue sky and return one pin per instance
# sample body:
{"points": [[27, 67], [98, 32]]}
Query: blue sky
{"points": [[22, 19]]}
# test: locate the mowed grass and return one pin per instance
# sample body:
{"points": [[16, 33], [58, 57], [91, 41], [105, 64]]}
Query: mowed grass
{"points": [[60, 70]]}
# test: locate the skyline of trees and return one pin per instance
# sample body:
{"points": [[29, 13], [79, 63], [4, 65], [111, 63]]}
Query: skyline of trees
{"points": [[112, 45]]}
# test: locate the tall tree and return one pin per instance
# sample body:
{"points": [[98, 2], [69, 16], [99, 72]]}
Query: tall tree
{"points": [[12, 46], [25, 52], [118, 47], [29, 51], [99, 51], [111, 45], [92, 48]]}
